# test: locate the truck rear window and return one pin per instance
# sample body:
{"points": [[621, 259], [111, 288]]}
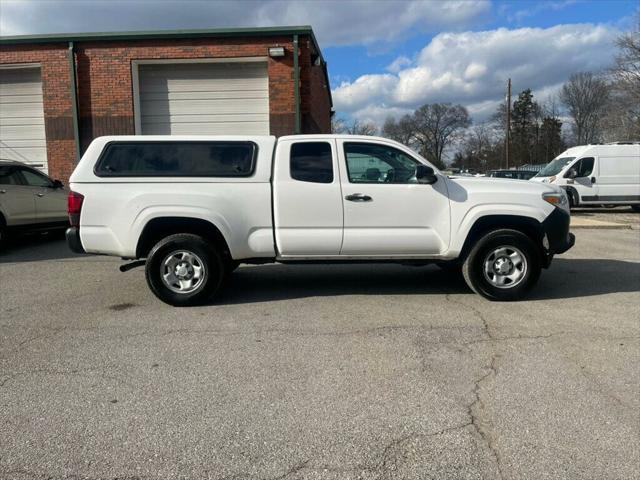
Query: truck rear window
{"points": [[177, 159]]}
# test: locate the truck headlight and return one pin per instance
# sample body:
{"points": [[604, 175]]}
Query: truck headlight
{"points": [[557, 199]]}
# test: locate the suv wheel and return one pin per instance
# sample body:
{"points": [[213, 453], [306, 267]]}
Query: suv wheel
{"points": [[503, 265], [184, 270]]}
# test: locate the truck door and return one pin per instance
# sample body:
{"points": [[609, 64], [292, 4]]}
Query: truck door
{"points": [[307, 200], [386, 211]]}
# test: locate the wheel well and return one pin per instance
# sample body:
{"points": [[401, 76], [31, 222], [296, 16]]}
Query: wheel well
{"points": [[574, 192], [527, 225], [159, 228]]}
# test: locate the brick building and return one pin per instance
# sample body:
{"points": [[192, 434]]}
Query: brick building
{"points": [[58, 92]]}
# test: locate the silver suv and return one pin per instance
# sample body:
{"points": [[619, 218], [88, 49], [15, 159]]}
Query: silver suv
{"points": [[29, 199]]}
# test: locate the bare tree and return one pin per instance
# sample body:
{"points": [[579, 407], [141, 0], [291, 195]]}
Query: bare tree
{"points": [[337, 125], [622, 117], [585, 95], [356, 127], [402, 130], [437, 126], [627, 69]]}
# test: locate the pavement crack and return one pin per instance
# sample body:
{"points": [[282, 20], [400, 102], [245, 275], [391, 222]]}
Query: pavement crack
{"points": [[476, 408], [475, 411], [293, 470], [389, 459], [515, 337]]}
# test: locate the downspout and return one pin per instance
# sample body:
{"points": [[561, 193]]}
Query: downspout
{"points": [[296, 84], [74, 99]]}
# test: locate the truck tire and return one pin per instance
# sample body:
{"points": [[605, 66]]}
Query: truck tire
{"points": [[184, 270], [503, 265]]}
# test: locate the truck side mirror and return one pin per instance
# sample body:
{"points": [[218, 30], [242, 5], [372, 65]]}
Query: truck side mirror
{"points": [[57, 184], [572, 173], [425, 174]]}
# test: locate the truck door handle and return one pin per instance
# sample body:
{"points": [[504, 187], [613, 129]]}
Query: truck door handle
{"points": [[3, 191], [40, 194], [358, 197], [593, 179]]}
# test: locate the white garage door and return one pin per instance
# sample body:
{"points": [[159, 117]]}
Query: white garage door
{"points": [[22, 117], [204, 98]]}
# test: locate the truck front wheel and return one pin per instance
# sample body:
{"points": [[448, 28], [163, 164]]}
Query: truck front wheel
{"points": [[184, 270], [503, 265]]}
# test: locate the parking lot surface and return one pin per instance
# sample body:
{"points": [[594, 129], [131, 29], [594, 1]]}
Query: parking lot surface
{"points": [[328, 372]]}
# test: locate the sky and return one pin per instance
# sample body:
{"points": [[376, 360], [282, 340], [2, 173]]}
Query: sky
{"points": [[385, 58]]}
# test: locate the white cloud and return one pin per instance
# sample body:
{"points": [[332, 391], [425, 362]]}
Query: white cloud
{"points": [[534, 9], [472, 68], [354, 22], [398, 64], [359, 93]]}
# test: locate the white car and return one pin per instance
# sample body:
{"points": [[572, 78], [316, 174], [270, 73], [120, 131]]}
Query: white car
{"points": [[597, 174], [196, 207]]}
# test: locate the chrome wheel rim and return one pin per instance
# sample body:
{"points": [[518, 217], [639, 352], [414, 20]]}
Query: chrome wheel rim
{"points": [[505, 267], [182, 271]]}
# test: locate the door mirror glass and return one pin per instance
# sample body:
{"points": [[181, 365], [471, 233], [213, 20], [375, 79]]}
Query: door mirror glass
{"points": [[425, 174], [57, 184]]}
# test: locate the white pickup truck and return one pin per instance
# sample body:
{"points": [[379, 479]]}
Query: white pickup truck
{"points": [[197, 207]]}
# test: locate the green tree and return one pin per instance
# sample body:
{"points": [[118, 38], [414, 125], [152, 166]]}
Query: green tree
{"points": [[524, 128]]}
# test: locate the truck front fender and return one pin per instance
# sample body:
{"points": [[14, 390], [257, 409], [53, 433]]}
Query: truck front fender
{"points": [[481, 218]]}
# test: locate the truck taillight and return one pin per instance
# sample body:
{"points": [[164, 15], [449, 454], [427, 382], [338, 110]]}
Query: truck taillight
{"points": [[74, 202]]}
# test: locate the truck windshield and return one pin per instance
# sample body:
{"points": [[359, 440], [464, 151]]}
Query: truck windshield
{"points": [[555, 166]]}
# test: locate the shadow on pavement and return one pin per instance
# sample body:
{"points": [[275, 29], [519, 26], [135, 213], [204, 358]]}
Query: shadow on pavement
{"points": [[567, 278], [284, 282], [586, 277], [35, 247]]}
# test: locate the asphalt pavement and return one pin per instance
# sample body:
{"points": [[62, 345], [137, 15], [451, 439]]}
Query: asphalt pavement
{"points": [[320, 372]]}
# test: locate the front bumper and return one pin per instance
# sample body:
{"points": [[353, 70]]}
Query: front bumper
{"points": [[556, 230], [73, 240]]}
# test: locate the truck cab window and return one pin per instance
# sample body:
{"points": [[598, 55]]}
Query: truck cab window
{"points": [[311, 162], [375, 163]]}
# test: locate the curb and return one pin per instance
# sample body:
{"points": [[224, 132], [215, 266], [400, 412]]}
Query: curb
{"points": [[603, 226]]}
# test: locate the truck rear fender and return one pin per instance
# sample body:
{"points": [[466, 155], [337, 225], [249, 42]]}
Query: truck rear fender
{"points": [[158, 227]]}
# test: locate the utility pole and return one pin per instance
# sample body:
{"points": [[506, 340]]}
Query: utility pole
{"points": [[508, 136]]}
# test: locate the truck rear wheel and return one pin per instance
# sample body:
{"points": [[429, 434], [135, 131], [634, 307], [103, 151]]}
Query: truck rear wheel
{"points": [[503, 265], [184, 270]]}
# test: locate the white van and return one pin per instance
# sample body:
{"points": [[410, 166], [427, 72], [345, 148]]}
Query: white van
{"points": [[597, 174]]}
